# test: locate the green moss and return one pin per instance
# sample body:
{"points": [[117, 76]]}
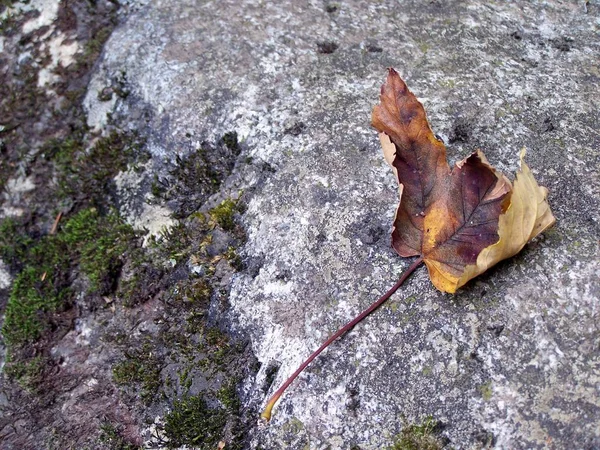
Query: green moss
{"points": [[100, 243], [174, 242], [29, 299], [112, 439], [486, 391], [185, 381], [228, 396], [28, 373], [293, 426], [233, 258], [223, 214], [191, 422], [142, 367], [89, 241], [90, 173], [419, 437]]}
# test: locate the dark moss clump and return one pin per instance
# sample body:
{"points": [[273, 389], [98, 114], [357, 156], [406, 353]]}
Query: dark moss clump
{"points": [[234, 259], [230, 140], [141, 368], [13, 243], [87, 175], [420, 437], [28, 373], [191, 422], [228, 396], [197, 176], [141, 278]]}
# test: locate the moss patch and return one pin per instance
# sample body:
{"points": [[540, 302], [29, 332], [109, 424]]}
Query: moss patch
{"points": [[486, 391], [191, 422], [87, 175], [223, 214], [424, 436], [88, 243], [141, 367]]}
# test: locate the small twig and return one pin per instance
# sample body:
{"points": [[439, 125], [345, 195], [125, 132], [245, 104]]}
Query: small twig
{"points": [[55, 224], [53, 231]]}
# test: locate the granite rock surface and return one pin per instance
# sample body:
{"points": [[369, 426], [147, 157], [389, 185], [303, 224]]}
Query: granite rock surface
{"points": [[510, 361]]}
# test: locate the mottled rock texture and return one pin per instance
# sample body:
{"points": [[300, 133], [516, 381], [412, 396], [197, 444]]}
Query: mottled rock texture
{"points": [[512, 360]]}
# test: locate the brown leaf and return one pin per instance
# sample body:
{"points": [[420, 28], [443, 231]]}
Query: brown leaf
{"points": [[462, 220]]}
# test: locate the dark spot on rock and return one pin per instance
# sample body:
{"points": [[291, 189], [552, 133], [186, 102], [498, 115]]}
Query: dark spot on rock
{"points": [[461, 131], [526, 327], [475, 356], [548, 125], [516, 35], [270, 373], [372, 48], [353, 402], [372, 235], [230, 139], [283, 275], [497, 329], [326, 47], [253, 266], [268, 168], [331, 8], [67, 19], [484, 437], [563, 43], [296, 129], [105, 94]]}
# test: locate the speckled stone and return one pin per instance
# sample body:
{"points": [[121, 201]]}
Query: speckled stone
{"points": [[512, 360]]}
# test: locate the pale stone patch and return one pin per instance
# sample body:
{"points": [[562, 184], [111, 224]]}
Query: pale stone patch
{"points": [[61, 53], [14, 191], [48, 10], [5, 278], [152, 218], [97, 110]]}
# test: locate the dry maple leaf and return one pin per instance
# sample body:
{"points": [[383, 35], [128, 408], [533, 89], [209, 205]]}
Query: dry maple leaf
{"points": [[460, 221]]}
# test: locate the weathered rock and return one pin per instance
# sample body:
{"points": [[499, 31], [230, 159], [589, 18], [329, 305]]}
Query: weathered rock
{"points": [[512, 358], [509, 361]]}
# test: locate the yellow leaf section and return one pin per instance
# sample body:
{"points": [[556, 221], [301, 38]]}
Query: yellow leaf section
{"points": [[440, 277], [527, 216]]}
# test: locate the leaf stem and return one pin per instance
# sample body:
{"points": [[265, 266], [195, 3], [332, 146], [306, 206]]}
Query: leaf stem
{"points": [[266, 415]]}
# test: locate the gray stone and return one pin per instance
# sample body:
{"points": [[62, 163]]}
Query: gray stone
{"points": [[510, 360]]}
